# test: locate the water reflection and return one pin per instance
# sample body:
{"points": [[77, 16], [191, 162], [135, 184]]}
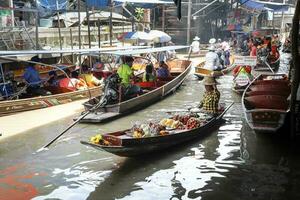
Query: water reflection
{"points": [[231, 162]]}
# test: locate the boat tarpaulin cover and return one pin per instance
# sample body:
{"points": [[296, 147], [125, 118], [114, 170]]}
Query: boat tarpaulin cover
{"points": [[264, 5], [146, 50], [33, 52], [98, 3], [146, 3], [48, 7]]}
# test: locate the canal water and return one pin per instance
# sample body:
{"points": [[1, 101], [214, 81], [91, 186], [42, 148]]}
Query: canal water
{"points": [[231, 162]]}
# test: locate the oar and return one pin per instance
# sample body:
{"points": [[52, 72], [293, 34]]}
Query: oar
{"points": [[69, 127]]}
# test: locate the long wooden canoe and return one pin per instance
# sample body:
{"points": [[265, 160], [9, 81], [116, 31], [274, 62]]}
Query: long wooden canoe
{"points": [[127, 146], [266, 107], [14, 106], [263, 66], [179, 69]]}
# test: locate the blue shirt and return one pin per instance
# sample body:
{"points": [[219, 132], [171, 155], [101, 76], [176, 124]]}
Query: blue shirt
{"points": [[162, 72], [32, 76]]}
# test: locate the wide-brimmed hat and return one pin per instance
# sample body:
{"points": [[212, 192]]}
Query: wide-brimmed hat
{"points": [[209, 81], [196, 38], [212, 41], [211, 48]]}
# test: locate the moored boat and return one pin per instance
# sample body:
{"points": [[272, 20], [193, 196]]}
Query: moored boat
{"points": [[123, 144], [153, 92], [21, 105], [265, 103]]}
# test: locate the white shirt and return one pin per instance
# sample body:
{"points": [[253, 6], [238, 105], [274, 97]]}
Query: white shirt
{"points": [[195, 46], [211, 61]]}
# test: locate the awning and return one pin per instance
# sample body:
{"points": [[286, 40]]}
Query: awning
{"points": [[146, 50], [146, 1], [264, 5]]}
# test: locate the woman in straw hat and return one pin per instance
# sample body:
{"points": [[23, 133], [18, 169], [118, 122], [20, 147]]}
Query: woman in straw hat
{"points": [[211, 97]]}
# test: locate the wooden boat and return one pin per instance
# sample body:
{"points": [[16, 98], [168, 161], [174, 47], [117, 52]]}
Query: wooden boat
{"points": [[200, 72], [14, 106], [265, 103], [266, 65], [241, 81], [127, 146], [179, 70]]}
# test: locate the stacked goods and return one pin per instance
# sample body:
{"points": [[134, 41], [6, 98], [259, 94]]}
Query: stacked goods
{"points": [[193, 123], [171, 123], [148, 130], [98, 139]]}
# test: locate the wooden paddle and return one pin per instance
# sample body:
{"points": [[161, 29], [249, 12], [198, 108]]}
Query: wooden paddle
{"points": [[69, 127]]}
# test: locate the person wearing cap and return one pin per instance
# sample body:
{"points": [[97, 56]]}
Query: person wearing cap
{"points": [[211, 96], [195, 46], [32, 77], [211, 59], [126, 74]]}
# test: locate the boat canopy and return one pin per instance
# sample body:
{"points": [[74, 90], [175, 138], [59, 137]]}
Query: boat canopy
{"points": [[57, 51], [146, 50], [264, 5], [146, 1]]}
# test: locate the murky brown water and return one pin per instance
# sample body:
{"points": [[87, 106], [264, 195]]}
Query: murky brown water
{"points": [[231, 162]]}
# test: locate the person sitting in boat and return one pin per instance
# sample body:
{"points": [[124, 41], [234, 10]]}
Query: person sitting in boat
{"points": [[163, 70], [88, 77], [71, 82], [126, 74], [195, 46], [52, 81], [149, 75], [211, 96], [211, 59], [32, 77]]}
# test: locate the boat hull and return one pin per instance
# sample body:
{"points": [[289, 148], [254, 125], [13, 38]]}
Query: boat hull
{"points": [[264, 110], [131, 147], [116, 110], [21, 105]]}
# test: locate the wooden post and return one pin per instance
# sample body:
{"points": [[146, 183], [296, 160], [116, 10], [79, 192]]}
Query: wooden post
{"points": [[59, 31], [36, 27], [99, 34], [110, 23], [153, 23], [71, 37], [188, 32], [163, 18], [79, 31], [89, 33]]}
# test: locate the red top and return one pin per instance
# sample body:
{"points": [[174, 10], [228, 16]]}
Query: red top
{"points": [[253, 51]]}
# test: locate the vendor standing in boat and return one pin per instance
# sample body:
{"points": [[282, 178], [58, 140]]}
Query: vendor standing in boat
{"points": [[211, 59], [126, 74], [211, 97], [32, 77]]}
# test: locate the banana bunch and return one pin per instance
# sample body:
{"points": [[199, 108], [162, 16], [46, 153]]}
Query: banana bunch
{"points": [[96, 139]]}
